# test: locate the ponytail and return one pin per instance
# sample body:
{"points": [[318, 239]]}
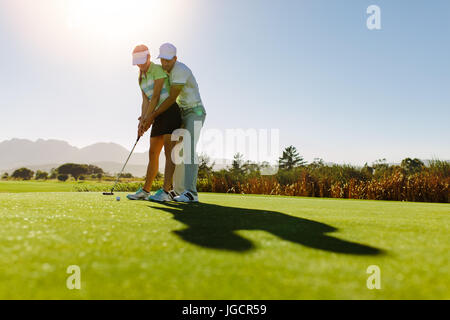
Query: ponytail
{"points": [[140, 77]]}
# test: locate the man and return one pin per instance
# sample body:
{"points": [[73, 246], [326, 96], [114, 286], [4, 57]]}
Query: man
{"points": [[184, 90]]}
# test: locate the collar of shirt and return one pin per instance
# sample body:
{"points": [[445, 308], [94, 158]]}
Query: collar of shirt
{"points": [[148, 70]]}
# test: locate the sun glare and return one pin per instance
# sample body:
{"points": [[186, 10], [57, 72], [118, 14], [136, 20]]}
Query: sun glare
{"points": [[82, 30], [113, 18]]}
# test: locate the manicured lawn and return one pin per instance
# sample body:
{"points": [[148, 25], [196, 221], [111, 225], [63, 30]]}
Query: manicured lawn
{"points": [[227, 247]]}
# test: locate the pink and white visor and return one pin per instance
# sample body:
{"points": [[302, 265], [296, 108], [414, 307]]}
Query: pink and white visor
{"points": [[140, 57]]}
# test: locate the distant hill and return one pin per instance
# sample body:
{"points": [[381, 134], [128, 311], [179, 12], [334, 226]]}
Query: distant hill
{"points": [[47, 154]]}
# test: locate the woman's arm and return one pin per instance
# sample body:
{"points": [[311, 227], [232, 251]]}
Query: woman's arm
{"points": [[174, 92], [144, 108], [145, 104], [159, 83]]}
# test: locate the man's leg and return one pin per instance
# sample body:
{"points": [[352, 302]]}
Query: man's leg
{"points": [[178, 178], [193, 123]]}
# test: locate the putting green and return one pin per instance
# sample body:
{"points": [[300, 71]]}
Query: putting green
{"points": [[227, 247]]}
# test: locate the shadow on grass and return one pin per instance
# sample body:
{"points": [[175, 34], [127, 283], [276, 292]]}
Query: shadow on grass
{"points": [[213, 226]]}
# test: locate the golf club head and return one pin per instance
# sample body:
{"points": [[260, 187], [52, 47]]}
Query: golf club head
{"points": [[108, 193]]}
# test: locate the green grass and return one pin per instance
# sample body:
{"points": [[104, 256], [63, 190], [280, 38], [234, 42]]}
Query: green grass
{"points": [[227, 247]]}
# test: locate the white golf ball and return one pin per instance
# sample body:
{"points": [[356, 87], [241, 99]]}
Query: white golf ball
{"points": [[118, 198]]}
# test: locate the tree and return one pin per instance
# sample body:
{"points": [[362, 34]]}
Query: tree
{"points": [[73, 169], [63, 177], [41, 175], [236, 165], [23, 173], [98, 176], [412, 166], [205, 169], [290, 159], [317, 163], [91, 169], [251, 168], [5, 176], [53, 173]]}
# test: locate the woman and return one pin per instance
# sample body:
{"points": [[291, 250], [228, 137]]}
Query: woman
{"points": [[154, 84]]}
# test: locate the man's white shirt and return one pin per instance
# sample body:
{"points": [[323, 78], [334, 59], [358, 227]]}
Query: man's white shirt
{"points": [[189, 96]]}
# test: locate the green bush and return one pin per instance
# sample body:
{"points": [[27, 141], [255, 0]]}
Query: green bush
{"points": [[53, 174], [23, 173], [126, 175], [41, 175], [63, 177]]}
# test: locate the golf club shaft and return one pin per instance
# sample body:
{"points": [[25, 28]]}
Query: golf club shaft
{"points": [[118, 177]]}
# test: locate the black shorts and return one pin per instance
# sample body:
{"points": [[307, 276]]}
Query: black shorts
{"points": [[167, 122]]}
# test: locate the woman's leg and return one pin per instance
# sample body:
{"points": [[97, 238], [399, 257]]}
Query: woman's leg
{"points": [[156, 144], [170, 166]]}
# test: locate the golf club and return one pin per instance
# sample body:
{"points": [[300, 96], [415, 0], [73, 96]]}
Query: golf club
{"points": [[121, 171]]}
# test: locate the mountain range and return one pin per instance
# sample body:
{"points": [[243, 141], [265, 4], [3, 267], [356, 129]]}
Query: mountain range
{"points": [[47, 154]]}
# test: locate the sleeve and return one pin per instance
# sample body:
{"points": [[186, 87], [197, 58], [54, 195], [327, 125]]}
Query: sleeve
{"points": [[179, 76]]}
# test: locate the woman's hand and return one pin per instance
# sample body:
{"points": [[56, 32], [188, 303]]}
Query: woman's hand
{"points": [[147, 122], [141, 130], [140, 133]]}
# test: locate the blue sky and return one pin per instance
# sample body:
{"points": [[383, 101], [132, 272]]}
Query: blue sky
{"points": [[311, 69]]}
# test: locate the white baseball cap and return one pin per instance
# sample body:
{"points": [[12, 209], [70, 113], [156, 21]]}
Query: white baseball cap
{"points": [[140, 57], [167, 51]]}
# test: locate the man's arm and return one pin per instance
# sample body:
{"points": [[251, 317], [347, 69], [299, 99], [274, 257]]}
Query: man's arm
{"points": [[174, 93]]}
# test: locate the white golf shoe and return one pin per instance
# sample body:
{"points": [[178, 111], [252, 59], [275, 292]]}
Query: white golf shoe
{"points": [[173, 194], [139, 195], [186, 196]]}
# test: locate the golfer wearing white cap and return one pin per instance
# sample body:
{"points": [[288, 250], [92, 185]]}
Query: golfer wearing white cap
{"points": [[184, 91]]}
